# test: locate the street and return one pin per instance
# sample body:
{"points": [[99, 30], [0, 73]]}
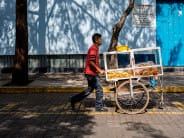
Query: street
{"points": [[49, 115]]}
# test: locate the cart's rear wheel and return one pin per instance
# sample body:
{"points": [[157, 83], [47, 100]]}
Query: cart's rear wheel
{"points": [[132, 102]]}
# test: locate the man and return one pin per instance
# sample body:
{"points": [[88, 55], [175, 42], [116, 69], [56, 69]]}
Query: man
{"points": [[92, 69]]}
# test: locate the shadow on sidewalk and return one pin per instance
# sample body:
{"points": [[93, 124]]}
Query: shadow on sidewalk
{"points": [[13, 84], [145, 129], [41, 115]]}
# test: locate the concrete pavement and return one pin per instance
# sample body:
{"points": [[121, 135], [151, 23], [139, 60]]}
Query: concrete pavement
{"points": [[76, 82], [48, 115], [42, 110]]}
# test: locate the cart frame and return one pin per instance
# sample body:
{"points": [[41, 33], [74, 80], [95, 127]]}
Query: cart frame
{"points": [[131, 93]]}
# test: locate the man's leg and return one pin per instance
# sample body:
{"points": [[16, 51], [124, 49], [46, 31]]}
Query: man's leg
{"points": [[78, 97], [99, 94]]}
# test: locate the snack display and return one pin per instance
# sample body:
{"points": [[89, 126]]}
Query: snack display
{"points": [[133, 63], [127, 74], [119, 74], [131, 71], [146, 71]]}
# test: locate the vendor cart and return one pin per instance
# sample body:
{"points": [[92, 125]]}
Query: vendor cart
{"points": [[131, 72]]}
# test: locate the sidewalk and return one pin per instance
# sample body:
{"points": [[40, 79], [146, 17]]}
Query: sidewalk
{"points": [[76, 82], [48, 115], [42, 114]]}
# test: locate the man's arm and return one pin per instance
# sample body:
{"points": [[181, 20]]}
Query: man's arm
{"points": [[101, 71]]}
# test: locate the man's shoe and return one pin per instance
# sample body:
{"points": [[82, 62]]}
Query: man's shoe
{"points": [[72, 104], [102, 110]]}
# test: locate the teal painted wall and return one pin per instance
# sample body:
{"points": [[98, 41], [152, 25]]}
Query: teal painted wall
{"points": [[170, 31]]}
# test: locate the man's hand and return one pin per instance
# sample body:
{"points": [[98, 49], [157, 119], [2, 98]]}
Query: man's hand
{"points": [[102, 71]]}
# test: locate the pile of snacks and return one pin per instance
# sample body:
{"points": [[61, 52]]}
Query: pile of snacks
{"points": [[119, 74], [146, 71], [149, 71]]}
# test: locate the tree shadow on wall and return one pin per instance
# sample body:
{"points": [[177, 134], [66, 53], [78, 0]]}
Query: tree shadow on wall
{"points": [[166, 30], [175, 54], [65, 26], [7, 27], [71, 23]]}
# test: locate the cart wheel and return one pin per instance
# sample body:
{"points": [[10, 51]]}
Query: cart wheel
{"points": [[132, 103]]}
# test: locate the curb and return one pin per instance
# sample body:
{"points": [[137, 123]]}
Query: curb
{"points": [[62, 89], [170, 89], [40, 89]]}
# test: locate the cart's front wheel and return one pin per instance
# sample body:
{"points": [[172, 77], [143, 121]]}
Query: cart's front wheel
{"points": [[132, 98]]}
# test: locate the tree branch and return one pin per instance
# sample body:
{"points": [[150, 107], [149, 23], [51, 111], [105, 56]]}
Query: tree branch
{"points": [[118, 26]]}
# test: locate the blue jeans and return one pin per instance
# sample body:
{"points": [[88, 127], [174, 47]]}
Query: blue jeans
{"points": [[93, 83]]}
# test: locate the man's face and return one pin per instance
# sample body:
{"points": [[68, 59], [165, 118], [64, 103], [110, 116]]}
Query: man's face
{"points": [[99, 41]]}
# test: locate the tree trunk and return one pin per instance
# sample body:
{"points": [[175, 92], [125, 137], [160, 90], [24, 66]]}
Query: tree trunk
{"points": [[117, 27], [20, 69], [115, 34]]}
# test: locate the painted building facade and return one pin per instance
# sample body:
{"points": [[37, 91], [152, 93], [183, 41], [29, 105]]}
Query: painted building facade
{"points": [[170, 31], [66, 26]]}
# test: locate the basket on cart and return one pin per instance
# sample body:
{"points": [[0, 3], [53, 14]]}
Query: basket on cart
{"points": [[126, 69]]}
